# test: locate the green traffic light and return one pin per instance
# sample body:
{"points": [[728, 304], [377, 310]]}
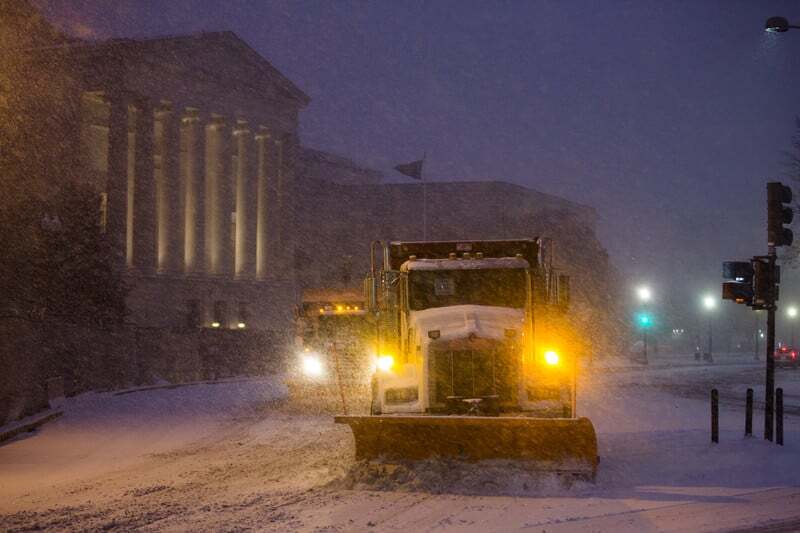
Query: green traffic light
{"points": [[645, 320]]}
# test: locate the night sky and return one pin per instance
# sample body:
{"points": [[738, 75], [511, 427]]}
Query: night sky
{"points": [[667, 117]]}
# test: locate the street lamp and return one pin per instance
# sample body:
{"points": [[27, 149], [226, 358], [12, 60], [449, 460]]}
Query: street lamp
{"points": [[709, 303], [778, 25], [774, 25], [791, 312], [644, 294]]}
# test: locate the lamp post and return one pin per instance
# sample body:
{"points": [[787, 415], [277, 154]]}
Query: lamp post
{"points": [[644, 294], [791, 313], [709, 303], [775, 25]]}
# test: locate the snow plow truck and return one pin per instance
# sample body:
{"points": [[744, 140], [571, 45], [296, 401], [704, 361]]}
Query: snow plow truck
{"points": [[332, 366], [472, 357]]}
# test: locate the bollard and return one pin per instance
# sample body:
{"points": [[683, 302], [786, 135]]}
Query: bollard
{"points": [[779, 416], [748, 414], [714, 416]]}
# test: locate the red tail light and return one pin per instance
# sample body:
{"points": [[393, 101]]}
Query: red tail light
{"points": [[794, 355]]}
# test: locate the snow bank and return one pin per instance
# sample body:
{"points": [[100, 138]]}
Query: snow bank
{"points": [[104, 432]]}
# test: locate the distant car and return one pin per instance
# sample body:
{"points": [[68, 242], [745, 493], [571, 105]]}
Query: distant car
{"points": [[787, 356]]}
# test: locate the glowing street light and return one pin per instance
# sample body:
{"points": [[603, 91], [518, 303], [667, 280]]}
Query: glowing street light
{"points": [[709, 302], [644, 294]]}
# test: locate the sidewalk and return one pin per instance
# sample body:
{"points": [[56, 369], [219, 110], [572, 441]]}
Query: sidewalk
{"points": [[27, 424]]}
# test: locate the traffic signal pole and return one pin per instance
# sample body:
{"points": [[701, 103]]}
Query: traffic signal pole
{"points": [[756, 284], [769, 392]]}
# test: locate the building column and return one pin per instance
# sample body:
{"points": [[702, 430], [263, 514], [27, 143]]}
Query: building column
{"points": [[193, 172], [263, 149], [117, 178], [168, 192], [245, 202], [144, 192], [219, 204]]}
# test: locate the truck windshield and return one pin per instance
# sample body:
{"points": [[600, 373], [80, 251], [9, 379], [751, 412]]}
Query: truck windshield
{"points": [[444, 288]]}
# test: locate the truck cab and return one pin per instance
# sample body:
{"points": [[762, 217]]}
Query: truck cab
{"points": [[463, 329]]}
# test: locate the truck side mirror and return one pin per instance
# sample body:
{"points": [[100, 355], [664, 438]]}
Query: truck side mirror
{"points": [[563, 292]]}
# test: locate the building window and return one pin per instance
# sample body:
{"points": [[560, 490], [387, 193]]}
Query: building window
{"points": [[220, 314], [194, 314]]}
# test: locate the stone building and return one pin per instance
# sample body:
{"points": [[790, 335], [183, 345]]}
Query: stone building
{"points": [[192, 143]]}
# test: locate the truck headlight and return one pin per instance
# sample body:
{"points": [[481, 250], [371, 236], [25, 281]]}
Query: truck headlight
{"points": [[312, 365], [385, 363], [551, 357]]}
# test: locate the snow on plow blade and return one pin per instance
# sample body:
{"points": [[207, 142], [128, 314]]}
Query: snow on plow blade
{"points": [[558, 444]]}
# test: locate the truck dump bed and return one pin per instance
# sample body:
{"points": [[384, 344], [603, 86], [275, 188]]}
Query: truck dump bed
{"points": [[400, 251]]}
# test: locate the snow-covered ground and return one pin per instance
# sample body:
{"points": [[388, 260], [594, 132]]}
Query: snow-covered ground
{"points": [[229, 456]]}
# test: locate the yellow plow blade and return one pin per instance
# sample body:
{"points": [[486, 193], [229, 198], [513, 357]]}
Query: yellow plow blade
{"points": [[558, 444]]}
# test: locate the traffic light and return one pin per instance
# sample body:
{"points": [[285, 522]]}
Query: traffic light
{"points": [[644, 320], [740, 287], [766, 278], [754, 284], [779, 214]]}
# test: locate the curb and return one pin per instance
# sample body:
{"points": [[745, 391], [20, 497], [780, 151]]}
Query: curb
{"points": [[30, 426], [179, 385]]}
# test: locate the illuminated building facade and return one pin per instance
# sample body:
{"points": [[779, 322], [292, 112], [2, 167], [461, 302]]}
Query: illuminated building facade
{"points": [[191, 142]]}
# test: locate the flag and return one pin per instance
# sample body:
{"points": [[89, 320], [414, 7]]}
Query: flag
{"points": [[412, 170]]}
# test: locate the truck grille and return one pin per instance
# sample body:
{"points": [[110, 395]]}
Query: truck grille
{"points": [[473, 373]]}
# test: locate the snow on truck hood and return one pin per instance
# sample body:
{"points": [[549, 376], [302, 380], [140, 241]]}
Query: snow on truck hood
{"points": [[459, 321]]}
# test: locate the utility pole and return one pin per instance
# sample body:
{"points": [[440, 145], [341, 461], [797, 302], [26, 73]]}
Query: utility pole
{"points": [[779, 214], [645, 344]]}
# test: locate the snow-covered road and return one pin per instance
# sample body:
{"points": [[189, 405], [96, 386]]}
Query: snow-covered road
{"points": [[227, 457]]}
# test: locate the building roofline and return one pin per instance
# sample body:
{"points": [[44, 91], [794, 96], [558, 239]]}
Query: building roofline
{"points": [[227, 37], [463, 183], [343, 161]]}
